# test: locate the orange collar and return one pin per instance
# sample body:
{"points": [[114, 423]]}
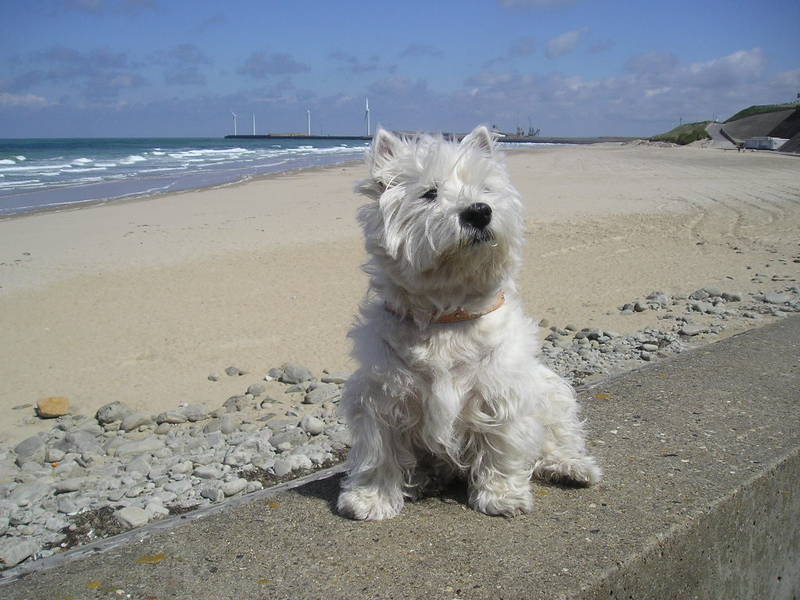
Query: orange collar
{"points": [[461, 315]]}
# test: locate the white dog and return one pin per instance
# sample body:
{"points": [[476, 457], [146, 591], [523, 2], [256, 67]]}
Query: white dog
{"points": [[450, 383]]}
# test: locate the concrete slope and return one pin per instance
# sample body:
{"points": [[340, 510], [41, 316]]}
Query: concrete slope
{"points": [[700, 500], [718, 140], [756, 125], [793, 145]]}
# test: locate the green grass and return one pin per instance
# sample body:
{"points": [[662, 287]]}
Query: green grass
{"points": [[757, 109], [684, 134]]}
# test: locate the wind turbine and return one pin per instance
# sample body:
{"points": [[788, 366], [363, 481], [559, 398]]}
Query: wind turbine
{"points": [[366, 115], [254, 123], [308, 117], [234, 122]]}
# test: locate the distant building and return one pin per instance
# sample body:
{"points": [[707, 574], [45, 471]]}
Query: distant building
{"points": [[764, 143]]}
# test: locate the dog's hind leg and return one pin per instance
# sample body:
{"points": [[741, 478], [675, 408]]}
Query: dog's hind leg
{"points": [[564, 457], [378, 461]]}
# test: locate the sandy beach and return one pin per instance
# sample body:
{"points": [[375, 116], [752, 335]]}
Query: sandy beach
{"points": [[139, 301]]}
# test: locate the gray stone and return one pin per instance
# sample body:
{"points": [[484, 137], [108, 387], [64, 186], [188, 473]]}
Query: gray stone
{"points": [[233, 487], [212, 426], [212, 492], [650, 347], [80, 442], [233, 372], [337, 378], [732, 296], [73, 484], [322, 392], [135, 420], [777, 298], [701, 306], [256, 389], [339, 435], [207, 472], [138, 465], [178, 487], [237, 403], [54, 455], [312, 425], [238, 456], [156, 510], [67, 505], [213, 377], [182, 467], [26, 494], [293, 437], [195, 412], [227, 424], [132, 516], [282, 467], [691, 330], [14, 550], [150, 444], [115, 411], [30, 449], [173, 417], [293, 373]]}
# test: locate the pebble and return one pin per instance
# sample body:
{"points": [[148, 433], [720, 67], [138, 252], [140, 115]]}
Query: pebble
{"points": [[14, 550], [195, 412], [132, 516], [52, 407], [233, 487], [312, 425], [256, 389], [692, 330], [135, 420], [293, 373], [115, 411], [30, 449], [322, 392], [173, 417]]}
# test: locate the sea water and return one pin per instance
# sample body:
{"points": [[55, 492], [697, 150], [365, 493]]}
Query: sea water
{"points": [[37, 174]]}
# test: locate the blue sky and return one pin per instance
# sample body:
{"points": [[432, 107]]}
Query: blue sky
{"points": [[73, 68]]}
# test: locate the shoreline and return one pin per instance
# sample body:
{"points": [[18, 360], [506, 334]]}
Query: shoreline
{"points": [[138, 197], [243, 179]]}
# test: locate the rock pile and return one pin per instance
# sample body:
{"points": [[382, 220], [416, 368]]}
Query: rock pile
{"points": [[144, 467]]}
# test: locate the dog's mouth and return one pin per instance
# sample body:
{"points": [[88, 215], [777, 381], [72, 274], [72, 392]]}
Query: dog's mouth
{"points": [[476, 237]]}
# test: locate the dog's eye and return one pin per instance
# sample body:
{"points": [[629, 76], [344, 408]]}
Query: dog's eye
{"points": [[430, 194]]}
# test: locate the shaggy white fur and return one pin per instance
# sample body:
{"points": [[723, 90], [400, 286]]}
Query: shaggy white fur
{"points": [[444, 228]]}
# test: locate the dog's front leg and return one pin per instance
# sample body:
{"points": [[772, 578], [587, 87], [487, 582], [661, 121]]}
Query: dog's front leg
{"points": [[499, 481], [373, 488]]}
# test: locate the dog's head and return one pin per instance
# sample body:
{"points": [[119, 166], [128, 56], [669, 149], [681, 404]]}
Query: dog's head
{"points": [[443, 213]]}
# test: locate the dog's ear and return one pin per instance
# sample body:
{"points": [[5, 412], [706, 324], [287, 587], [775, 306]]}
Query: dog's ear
{"points": [[481, 139], [385, 146]]}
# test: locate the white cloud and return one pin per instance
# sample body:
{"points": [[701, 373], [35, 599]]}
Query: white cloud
{"points": [[22, 100], [565, 43]]}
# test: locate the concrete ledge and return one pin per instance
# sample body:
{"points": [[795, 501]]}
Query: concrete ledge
{"points": [[700, 500]]}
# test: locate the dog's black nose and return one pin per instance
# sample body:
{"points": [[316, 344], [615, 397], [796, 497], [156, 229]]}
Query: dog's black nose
{"points": [[477, 215]]}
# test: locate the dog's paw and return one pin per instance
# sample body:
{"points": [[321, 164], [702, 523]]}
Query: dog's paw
{"points": [[504, 502], [368, 504], [580, 471]]}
